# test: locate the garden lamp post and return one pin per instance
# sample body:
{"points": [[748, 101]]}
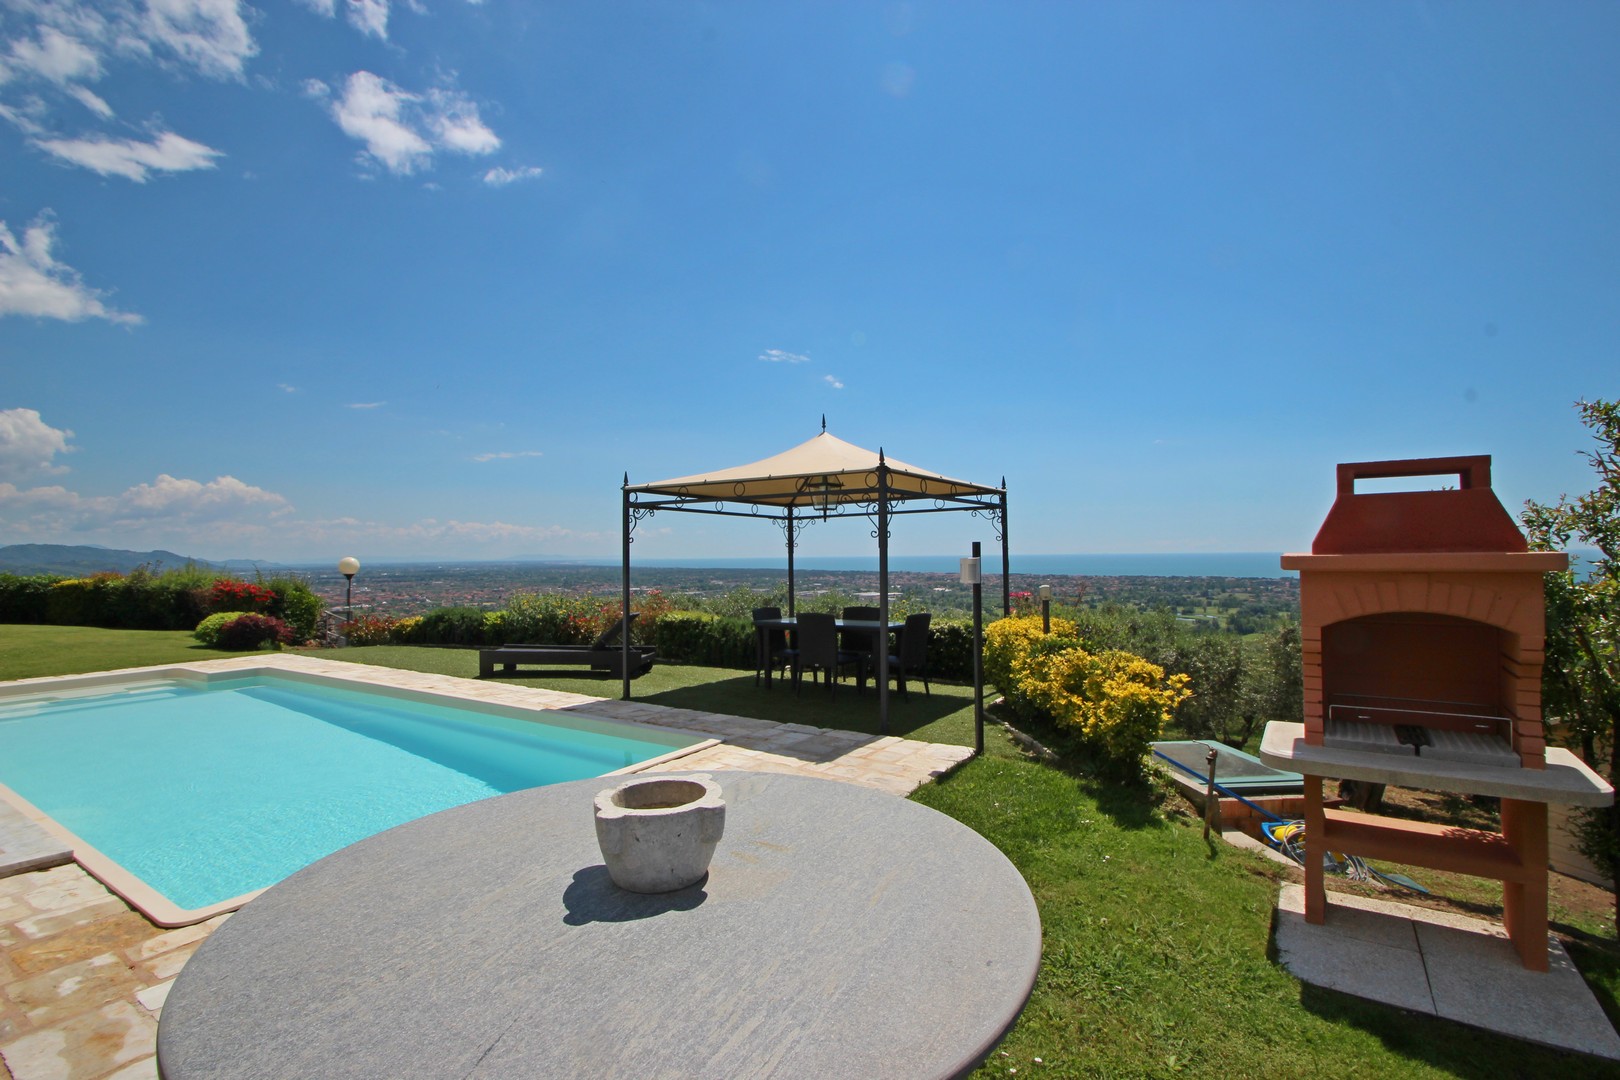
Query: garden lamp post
{"points": [[973, 574], [349, 566], [1046, 609]]}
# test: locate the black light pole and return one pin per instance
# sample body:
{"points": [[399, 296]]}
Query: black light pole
{"points": [[973, 574], [348, 567], [1046, 609]]}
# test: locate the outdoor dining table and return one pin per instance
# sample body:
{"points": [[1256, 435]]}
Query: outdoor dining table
{"points": [[873, 627], [841, 931]]}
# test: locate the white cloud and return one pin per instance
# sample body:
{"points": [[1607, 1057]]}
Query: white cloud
{"points": [[832, 381], [371, 110], [169, 504], [507, 455], [211, 35], [132, 158], [32, 282], [327, 8], [90, 101], [499, 177], [402, 130], [453, 117], [288, 388], [55, 57], [28, 444], [366, 405], [369, 17], [172, 497], [778, 356], [431, 533]]}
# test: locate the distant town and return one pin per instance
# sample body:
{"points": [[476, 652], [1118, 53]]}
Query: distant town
{"points": [[1244, 605]]}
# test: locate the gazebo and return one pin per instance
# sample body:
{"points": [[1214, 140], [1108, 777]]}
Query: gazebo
{"points": [[820, 479]]}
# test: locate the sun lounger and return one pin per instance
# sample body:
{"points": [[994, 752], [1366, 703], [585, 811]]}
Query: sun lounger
{"points": [[601, 655]]}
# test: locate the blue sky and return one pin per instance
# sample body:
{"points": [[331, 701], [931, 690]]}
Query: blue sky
{"points": [[296, 280]]}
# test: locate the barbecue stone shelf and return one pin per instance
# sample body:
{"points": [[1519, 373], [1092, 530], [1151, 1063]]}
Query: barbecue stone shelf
{"points": [[1566, 779], [1517, 856]]}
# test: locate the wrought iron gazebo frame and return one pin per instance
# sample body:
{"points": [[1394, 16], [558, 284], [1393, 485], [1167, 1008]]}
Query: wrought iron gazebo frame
{"points": [[793, 501]]}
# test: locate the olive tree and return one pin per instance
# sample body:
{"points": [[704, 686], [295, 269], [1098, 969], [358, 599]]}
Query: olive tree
{"points": [[1581, 679]]}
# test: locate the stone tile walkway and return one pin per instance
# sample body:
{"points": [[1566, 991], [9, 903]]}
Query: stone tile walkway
{"points": [[83, 977]]}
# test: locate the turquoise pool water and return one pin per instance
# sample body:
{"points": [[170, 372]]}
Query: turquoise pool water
{"points": [[209, 793]]}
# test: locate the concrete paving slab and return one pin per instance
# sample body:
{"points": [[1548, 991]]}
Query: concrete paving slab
{"points": [[1381, 963], [1456, 968], [24, 846]]}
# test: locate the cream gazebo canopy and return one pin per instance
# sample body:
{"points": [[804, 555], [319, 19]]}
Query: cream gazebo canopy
{"points": [[825, 468], [818, 480]]}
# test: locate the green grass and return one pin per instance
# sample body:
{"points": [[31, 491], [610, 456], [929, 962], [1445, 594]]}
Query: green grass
{"points": [[28, 652], [945, 715], [1156, 953], [1155, 958]]}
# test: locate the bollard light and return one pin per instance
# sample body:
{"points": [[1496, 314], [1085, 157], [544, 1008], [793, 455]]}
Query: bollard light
{"points": [[1046, 609]]}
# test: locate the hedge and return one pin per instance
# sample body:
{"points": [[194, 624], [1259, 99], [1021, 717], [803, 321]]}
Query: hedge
{"points": [[175, 600]]}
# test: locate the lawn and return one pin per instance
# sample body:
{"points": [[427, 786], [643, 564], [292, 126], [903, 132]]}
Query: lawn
{"points": [[28, 652], [1156, 946]]}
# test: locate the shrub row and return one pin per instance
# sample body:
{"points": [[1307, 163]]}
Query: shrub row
{"points": [[680, 636], [140, 600], [1115, 701]]}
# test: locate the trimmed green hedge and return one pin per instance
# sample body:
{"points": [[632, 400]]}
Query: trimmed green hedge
{"points": [[175, 600], [697, 637]]}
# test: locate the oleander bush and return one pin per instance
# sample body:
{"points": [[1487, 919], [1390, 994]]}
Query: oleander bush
{"points": [[246, 632]]}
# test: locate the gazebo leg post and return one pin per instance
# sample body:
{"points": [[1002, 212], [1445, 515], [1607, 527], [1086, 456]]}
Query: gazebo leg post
{"points": [[624, 645], [791, 544], [1006, 562], [883, 595]]}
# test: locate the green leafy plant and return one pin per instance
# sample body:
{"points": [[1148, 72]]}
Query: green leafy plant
{"points": [[369, 630], [1581, 677], [255, 632], [208, 630]]}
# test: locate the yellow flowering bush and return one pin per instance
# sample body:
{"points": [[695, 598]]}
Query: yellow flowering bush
{"points": [[406, 631], [1007, 644], [1116, 701]]}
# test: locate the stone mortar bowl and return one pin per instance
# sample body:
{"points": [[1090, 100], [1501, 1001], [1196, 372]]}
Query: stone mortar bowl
{"points": [[657, 834]]}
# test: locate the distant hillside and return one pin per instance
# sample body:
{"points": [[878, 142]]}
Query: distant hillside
{"points": [[84, 559]]}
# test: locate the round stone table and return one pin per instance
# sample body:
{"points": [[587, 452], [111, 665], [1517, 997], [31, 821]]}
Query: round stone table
{"points": [[840, 932]]}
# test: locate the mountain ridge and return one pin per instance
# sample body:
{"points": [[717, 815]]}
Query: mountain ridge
{"points": [[94, 559]]}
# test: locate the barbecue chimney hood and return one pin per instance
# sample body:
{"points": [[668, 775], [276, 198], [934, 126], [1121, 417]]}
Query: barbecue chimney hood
{"points": [[1423, 620]]}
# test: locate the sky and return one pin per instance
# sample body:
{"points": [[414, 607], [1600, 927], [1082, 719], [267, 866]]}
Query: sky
{"points": [[427, 279]]}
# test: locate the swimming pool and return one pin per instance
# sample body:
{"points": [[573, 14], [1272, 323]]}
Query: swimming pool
{"points": [[189, 795]]}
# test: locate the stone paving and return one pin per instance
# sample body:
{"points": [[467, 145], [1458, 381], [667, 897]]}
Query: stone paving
{"points": [[83, 977]]}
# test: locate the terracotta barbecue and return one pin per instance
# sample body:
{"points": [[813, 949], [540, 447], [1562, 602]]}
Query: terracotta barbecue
{"points": [[1423, 630]]}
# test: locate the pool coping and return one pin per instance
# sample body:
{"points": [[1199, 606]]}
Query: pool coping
{"points": [[432, 689]]}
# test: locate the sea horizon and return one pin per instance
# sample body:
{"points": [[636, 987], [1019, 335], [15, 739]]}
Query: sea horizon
{"points": [[1158, 564]]}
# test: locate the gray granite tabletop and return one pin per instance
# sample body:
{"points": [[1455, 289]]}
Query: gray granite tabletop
{"points": [[840, 932]]}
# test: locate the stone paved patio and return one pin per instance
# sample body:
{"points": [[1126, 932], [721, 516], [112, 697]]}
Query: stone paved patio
{"points": [[83, 977]]}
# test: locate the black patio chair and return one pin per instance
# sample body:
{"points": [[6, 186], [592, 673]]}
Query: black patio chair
{"points": [[818, 650], [859, 641], [772, 652], [913, 656]]}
